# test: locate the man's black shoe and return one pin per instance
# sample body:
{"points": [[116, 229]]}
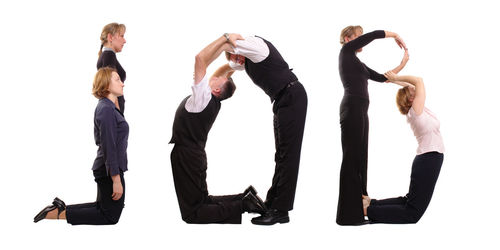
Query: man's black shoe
{"points": [[250, 189], [271, 217], [253, 204]]}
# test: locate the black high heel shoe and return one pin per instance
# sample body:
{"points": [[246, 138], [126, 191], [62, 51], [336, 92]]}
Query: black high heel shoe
{"points": [[60, 204], [56, 204]]}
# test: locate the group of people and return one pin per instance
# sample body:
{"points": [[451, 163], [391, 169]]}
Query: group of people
{"points": [[197, 112], [354, 203]]}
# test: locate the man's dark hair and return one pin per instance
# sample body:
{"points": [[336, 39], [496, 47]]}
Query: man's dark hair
{"points": [[227, 90]]}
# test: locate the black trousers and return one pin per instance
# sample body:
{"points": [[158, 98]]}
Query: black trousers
{"points": [[104, 211], [289, 119], [189, 169], [353, 172], [409, 209]]}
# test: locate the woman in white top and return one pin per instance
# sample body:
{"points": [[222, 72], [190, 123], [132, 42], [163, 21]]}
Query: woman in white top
{"points": [[426, 166]]}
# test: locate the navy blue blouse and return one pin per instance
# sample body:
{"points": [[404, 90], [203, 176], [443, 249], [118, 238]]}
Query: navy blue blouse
{"points": [[111, 135]]}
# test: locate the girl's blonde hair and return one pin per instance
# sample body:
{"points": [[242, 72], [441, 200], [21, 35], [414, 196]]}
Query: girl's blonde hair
{"points": [[349, 31], [113, 29]]}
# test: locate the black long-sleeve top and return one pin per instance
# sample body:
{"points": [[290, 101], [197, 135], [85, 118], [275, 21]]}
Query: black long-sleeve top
{"points": [[108, 59], [111, 135], [353, 73]]}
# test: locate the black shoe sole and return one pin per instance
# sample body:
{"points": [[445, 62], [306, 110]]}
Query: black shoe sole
{"points": [[250, 189], [256, 204], [42, 214], [264, 223]]}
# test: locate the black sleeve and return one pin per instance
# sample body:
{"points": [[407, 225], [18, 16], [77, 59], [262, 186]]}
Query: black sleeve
{"points": [[375, 76], [365, 39]]}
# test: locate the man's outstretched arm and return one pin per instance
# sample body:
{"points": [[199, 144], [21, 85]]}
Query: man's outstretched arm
{"points": [[210, 53]]}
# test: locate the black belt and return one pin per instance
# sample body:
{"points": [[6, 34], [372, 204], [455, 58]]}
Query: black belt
{"points": [[283, 89], [291, 84]]}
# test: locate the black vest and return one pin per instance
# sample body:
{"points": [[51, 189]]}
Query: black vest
{"points": [[191, 129], [272, 74]]}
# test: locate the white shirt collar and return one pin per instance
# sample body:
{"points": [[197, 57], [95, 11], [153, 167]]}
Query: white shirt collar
{"points": [[107, 49]]}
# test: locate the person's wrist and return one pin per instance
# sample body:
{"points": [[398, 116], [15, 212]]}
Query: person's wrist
{"points": [[226, 35], [116, 179]]}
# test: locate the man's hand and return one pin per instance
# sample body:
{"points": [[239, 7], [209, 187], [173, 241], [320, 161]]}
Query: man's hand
{"points": [[233, 37]]}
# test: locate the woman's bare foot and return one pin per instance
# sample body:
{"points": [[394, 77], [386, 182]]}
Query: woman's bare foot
{"points": [[52, 215], [366, 204], [366, 197]]}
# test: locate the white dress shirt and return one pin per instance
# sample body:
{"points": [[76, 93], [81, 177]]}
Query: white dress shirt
{"points": [[253, 48], [202, 94]]}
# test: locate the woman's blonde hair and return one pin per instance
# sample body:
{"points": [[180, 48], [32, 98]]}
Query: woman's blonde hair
{"points": [[349, 31], [403, 100], [102, 79], [113, 29]]}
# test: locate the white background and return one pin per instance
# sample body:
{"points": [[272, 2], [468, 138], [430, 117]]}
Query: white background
{"points": [[48, 53]]}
